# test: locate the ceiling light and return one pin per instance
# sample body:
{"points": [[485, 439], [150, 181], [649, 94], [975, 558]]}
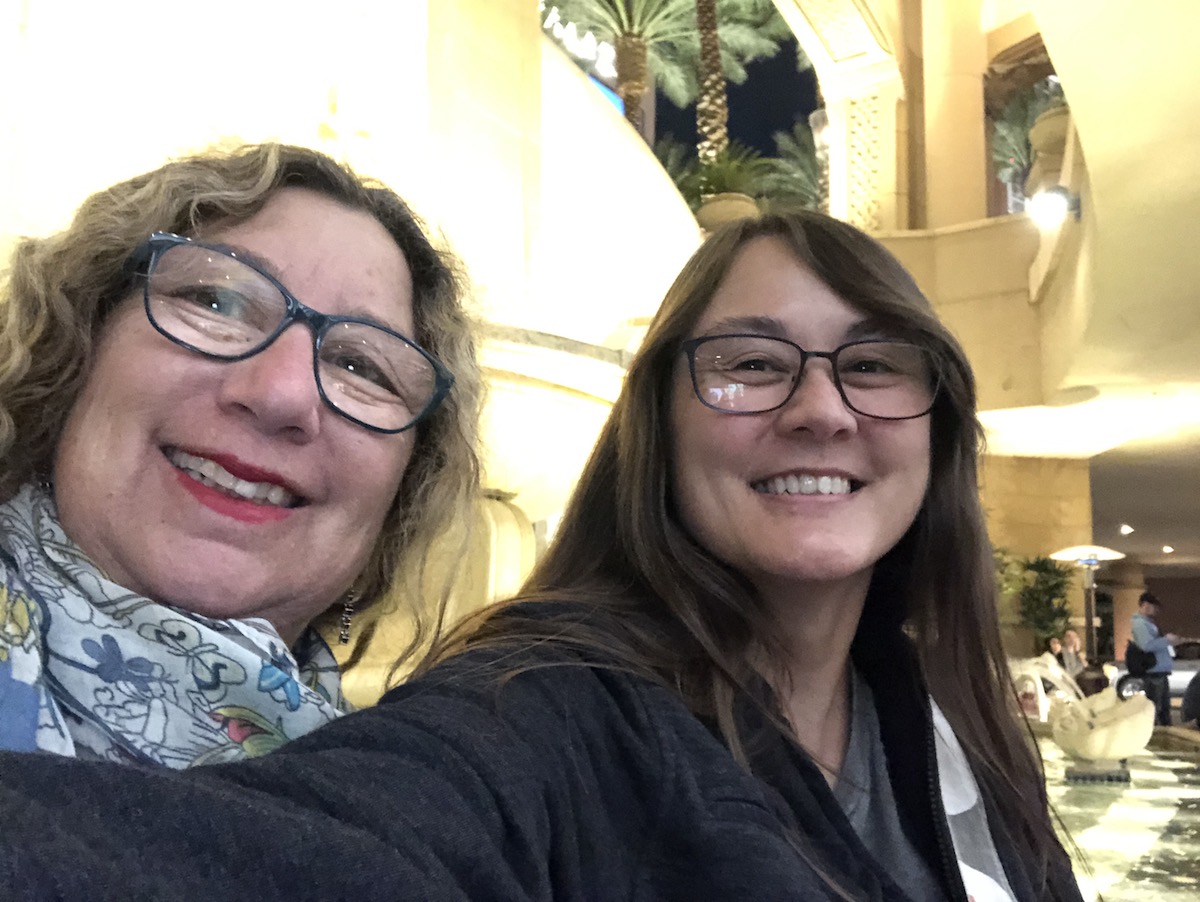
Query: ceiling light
{"points": [[1126, 529], [1048, 208], [1167, 549]]}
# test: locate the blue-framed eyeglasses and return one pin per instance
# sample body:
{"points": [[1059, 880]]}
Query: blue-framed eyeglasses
{"points": [[747, 373], [209, 300]]}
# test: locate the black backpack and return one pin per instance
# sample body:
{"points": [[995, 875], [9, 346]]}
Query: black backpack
{"points": [[1138, 662]]}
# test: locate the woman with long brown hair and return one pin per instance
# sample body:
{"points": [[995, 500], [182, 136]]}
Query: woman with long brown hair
{"points": [[759, 660]]}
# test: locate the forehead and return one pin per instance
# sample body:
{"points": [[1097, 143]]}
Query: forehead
{"points": [[334, 258], [767, 281]]}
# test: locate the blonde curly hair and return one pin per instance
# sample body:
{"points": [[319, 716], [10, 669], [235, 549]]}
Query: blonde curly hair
{"points": [[58, 292]]}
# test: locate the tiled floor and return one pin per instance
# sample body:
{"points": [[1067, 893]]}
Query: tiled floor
{"points": [[1141, 839]]}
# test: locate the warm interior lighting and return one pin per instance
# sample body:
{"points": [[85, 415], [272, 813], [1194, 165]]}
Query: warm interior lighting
{"points": [[1167, 549], [1126, 529], [1087, 555], [1048, 208], [1086, 429]]}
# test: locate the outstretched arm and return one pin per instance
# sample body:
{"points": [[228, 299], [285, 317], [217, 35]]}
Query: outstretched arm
{"points": [[441, 792]]}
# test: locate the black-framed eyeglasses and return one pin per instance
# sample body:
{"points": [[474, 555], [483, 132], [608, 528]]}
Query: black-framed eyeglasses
{"points": [[209, 300], [746, 373]]}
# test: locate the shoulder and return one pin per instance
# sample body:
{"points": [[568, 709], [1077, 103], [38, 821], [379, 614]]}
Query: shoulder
{"points": [[546, 702]]}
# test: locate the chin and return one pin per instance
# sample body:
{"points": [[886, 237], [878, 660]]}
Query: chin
{"points": [[224, 600]]}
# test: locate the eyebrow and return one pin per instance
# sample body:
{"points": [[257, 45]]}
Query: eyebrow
{"points": [[245, 255], [768, 325]]}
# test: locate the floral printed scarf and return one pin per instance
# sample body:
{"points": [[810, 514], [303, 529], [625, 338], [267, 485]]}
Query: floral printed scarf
{"points": [[89, 669]]}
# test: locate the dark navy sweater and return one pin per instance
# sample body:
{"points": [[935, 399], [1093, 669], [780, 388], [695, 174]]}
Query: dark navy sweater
{"points": [[564, 783]]}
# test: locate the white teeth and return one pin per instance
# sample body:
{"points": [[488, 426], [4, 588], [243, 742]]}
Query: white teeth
{"points": [[210, 473], [803, 484]]}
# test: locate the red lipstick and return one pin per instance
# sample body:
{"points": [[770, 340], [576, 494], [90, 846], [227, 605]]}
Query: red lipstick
{"points": [[237, 508], [243, 470], [216, 499]]}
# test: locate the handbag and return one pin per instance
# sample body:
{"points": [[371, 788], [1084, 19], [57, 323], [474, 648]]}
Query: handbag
{"points": [[1137, 661]]}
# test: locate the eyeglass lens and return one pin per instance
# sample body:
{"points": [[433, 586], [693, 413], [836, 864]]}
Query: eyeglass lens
{"points": [[753, 374], [225, 308]]}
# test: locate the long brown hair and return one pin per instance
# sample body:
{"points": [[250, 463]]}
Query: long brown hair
{"points": [[58, 292], [652, 601]]}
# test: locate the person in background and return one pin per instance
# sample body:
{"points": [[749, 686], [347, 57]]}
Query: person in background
{"points": [[1054, 648], [226, 412], [1071, 657], [1146, 636], [760, 660]]}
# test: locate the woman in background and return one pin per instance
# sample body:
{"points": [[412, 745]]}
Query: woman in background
{"points": [[1071, 657]]}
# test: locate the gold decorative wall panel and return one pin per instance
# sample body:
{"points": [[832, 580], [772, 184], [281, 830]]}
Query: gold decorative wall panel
{"points": [[864, 158]]}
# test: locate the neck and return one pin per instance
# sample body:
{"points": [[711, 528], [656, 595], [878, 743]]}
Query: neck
{"points": [[816, 626]]}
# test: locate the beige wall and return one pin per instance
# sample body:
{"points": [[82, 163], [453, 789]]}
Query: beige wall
{"points": [[1124, 581], [1181, 604], [955, 56], [978, 280], [1034, 507]]}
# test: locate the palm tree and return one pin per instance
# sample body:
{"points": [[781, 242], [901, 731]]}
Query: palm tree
{"points": [[657, 43], [793, 176], [712, 106]]}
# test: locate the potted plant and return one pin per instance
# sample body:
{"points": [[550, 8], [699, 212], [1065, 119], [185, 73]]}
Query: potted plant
{"points": [[729, 188], [1042, 598], [1012, 150]]}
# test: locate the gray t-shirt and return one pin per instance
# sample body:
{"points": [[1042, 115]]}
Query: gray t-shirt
{"points": [[864, 792]]}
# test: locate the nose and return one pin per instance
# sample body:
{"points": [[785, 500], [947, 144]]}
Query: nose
{"points": [[276, 387], [817, 406]]}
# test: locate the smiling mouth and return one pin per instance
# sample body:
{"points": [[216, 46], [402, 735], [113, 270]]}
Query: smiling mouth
{"points": [[806, 484], [212, 474]]}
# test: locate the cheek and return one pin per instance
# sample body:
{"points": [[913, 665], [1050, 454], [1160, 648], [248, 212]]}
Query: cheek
{"points": [[379, 469], [704, 454], [684, 463], [914, 456]]}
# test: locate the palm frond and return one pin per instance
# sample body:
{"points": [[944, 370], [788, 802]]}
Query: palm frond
{"points": [[749, 29], [1011, 152], [792, 179]]}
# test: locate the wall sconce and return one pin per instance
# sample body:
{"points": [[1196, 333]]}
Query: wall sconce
{"points": [[1049, 207]]}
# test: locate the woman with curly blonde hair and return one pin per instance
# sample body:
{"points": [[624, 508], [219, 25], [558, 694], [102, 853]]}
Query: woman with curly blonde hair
{"points": [[190, 480]]}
